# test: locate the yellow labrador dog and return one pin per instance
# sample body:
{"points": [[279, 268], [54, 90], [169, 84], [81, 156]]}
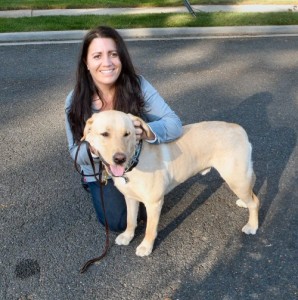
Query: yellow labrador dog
{"points": [[220, 145]]}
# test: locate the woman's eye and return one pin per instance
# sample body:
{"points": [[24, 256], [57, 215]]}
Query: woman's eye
{"points": [[114, 54]]}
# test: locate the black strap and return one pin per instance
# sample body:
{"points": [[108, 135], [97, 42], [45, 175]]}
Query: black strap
{"points": [[98, 179], [93, 260], [90, 158]]}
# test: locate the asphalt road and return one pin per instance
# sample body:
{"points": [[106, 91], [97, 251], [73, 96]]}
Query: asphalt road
{"points": [[48, 226]]}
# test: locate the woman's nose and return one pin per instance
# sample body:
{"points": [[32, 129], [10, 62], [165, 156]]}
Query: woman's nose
{"points": [[107, 60]]}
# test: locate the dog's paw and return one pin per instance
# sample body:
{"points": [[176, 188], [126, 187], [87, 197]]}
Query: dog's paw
{"points": [[241, 203], [249, 229], [124, 238], [144, 249]]}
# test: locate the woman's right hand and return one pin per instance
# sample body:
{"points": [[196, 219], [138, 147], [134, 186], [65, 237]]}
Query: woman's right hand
{"points": [[94, 152]]}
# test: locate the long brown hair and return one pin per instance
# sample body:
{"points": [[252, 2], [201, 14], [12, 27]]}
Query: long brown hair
{"points": [[128, 96]]}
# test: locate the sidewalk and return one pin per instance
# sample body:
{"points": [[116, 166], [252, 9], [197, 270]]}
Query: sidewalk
{"points": [[182, 32], [121, 11]]}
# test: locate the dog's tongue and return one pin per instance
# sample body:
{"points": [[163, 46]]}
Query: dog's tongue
{"points": [[117, 170]]}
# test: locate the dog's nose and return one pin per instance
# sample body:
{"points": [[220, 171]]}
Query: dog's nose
{"points": [[119, 158]]}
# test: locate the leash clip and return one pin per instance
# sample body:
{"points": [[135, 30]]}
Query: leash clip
{"points": [[104, 177]]}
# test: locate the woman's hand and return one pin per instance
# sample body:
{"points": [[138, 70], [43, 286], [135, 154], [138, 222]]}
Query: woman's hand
{"points": [[94, 152], [140, 132]]}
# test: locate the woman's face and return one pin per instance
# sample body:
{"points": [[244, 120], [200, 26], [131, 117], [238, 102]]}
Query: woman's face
{"points": [[103, 62]]}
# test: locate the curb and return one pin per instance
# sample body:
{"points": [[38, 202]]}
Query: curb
{"points": [[145, 33]]}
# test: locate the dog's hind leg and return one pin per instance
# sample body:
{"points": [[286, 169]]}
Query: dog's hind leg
{"points": [[153, 215], [132, 213], [239, 176], [251, 201]]}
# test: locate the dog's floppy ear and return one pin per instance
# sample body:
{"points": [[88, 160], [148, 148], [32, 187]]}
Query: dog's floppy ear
{"points": [[143, 124], [87, 128]]}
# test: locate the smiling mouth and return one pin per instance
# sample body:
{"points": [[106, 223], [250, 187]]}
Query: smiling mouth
{"points": [[107, 71]]}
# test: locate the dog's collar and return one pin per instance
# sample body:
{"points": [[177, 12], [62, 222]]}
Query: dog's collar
{"points": [[135, 159]]}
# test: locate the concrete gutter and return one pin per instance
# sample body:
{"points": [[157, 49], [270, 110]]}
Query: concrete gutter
{"points": [[179, 32]]}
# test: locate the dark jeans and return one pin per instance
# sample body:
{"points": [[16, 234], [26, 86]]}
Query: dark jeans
{"points": [[114, 202]]}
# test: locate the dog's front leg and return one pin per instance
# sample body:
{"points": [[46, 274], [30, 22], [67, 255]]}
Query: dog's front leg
{"points": [[132, 213], [153, 214]]}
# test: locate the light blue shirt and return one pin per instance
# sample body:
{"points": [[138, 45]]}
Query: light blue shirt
{"points": [[161, 119]]}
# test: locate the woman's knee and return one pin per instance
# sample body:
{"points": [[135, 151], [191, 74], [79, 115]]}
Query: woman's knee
{"points": [[114, 205]]}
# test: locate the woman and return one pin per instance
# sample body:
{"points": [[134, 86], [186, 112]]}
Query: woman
{"points": [[106, 79]]}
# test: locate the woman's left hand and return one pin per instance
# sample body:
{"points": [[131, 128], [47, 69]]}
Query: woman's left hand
{"points": [[140, 132]]}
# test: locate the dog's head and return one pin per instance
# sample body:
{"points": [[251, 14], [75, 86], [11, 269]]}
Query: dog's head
{"points": [[112, 134]]}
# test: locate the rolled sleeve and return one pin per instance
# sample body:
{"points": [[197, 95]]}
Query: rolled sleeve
{"points": [[161, 119], [82, 158]]}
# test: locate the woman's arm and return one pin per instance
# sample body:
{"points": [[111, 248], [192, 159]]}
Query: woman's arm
{"points": [[83, 158], [161, 119]]}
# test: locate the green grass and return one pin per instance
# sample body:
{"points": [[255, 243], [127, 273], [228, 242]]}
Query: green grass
{"points": [[49, 23], [50, 4], [145, 21]]}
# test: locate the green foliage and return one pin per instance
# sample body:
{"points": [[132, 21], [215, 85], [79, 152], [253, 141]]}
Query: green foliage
{"points": [[146, 21], [58, 4]]}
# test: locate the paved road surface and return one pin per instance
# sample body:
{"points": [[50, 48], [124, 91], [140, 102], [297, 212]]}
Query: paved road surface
{"points": [[48, 227]]}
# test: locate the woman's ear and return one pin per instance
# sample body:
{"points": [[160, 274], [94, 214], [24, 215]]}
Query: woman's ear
{"points": [[87, 128]]}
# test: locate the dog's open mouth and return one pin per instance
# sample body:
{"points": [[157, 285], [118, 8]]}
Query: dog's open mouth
{"points": [[116, 170]]}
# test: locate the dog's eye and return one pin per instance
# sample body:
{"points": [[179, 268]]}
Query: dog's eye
{"points": [[127, 133], [105, 134]]}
